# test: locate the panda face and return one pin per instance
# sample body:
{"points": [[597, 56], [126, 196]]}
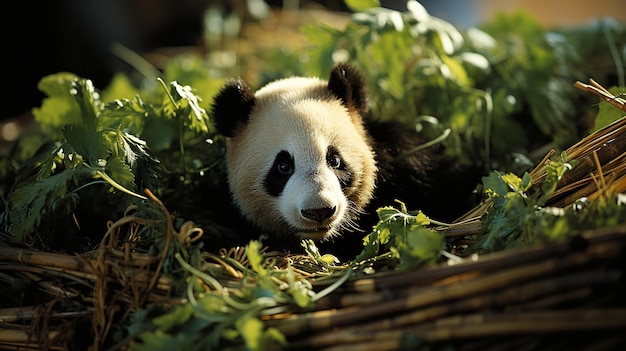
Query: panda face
{"points": [[299, 161], [297, 166]]}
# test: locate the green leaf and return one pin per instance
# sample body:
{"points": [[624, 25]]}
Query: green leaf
{"points": [[255, 257], [176, 317], [118, 88], [127, 114], [251, 330], [422, 245], [554, 172], [31, 202], [211, 307], [325, 42], [60, 107], [392, 233], [88, 101], [88, 143], [160, 340], [494, 185], [184, 104], [515, 182], [417, 10], [121, 173], [456, 70], [608, 113], [361, 5], [197, 72], [300, 290]]}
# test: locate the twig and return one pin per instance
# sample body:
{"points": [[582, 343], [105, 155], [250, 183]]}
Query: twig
{"points": [[600, 91]]}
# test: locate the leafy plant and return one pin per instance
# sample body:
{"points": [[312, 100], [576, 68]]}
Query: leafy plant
{"points": [[514, 214], [217, 316], [475, 86], [402, 239], [116, 146]]}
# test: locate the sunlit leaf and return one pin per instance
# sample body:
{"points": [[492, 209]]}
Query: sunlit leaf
{"points": [[251, 330], [361, 5], [88, 143], [59, 107], [417, 10], [423, 245], [253, 251], [178, 316], [608, 113], [121, 173]]}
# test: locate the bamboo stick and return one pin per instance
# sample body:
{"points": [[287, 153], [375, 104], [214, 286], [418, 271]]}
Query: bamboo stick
{"points": [[477, 325], [17, 336], [24, 313], [68, 265], [415, 297]]}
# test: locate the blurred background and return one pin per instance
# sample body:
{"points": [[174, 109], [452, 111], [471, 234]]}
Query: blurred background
{"points": [[45, 37]]}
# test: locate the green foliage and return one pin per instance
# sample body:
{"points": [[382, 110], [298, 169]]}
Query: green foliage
{"points": [[538, 68], [360, 5], [515, 216], [216, 317], [71, 101], [114, 146], [479, 83], [402, 238]]}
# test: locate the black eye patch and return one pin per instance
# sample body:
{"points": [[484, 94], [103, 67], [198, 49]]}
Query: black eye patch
{"points": [[339, 166], [279, 174]]}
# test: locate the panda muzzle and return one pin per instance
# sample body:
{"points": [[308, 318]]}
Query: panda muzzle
{"points": [[318, 214]]}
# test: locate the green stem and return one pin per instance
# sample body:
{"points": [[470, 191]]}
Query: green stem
{"points": [[117, 186], [333, 286], [619, 66], [214, 283], [136, 61], [180, 127], [420, 147]]}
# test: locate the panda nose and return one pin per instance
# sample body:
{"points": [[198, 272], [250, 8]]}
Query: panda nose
{"points": [[318, 214]]}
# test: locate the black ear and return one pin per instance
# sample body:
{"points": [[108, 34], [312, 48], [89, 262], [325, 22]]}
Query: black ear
{"points": [[347, 83], [232, 106]]}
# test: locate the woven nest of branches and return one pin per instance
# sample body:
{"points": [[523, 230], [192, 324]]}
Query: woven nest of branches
{"points": [[561, 295]]}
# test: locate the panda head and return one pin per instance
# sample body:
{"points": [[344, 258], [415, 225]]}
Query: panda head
{"points": [[298, 157]]}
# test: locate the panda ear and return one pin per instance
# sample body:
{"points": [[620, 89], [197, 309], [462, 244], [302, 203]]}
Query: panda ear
{"points": [[232, 106], [347, 83]]}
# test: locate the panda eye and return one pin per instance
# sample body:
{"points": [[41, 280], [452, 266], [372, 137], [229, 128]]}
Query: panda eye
{"points": [[333, 160], [284, 168], [283, 164]]}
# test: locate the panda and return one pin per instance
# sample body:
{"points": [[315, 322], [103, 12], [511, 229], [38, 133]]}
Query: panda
{"points": [[304, 160]]}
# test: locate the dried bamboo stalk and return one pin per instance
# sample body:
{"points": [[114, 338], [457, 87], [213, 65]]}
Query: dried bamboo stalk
{"points": [[478, 325], [16, 314], [78, 265], [517, 294], [21, 338], [410, 297]]}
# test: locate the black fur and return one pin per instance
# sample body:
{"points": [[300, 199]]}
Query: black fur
{"points": [[232, 106], [342, 170], [348, 85], [279, 174], [425, 180]]}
